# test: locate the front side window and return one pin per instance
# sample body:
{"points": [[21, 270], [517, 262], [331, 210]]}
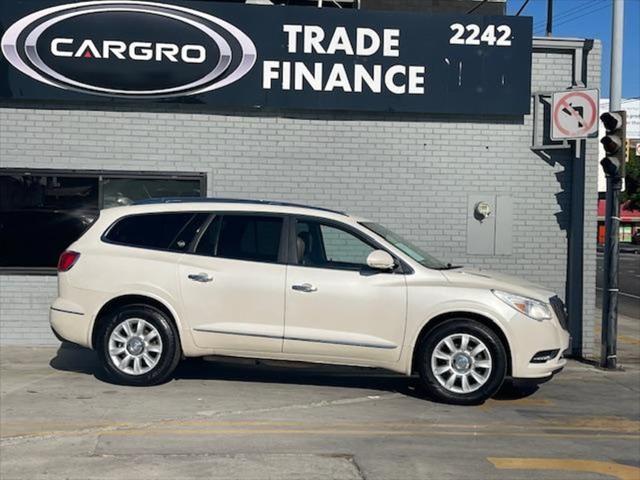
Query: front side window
{"points": [[327, 246], [243, 237], [413, 251], [163, 231]]}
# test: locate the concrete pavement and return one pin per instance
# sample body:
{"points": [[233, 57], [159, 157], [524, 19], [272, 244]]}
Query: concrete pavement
{"points": [[237, 419]]}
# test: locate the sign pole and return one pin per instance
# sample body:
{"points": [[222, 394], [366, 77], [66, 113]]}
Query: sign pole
{"points": [[575, 260], [574, 117]]}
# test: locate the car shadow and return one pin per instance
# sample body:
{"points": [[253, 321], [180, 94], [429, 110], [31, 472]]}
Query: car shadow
{"points": [[72, 358]]}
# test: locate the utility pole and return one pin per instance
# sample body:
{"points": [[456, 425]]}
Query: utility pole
{"points": [[617, 27], [549, 17], [613, 165]]}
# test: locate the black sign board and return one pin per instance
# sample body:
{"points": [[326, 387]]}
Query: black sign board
{"points": [[227, 55]]}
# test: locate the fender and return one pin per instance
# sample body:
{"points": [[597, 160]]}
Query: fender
{"points": [[453, 307], [159, 296]]}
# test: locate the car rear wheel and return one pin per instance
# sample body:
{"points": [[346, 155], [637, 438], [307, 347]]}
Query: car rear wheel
{"points": [[138, 345], [462, 362]]}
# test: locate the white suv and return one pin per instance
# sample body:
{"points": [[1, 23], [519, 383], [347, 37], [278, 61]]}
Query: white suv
{"points": [[150, 284]]}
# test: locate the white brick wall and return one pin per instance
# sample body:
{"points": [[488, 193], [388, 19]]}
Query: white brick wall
{"points": [[410, 172]]}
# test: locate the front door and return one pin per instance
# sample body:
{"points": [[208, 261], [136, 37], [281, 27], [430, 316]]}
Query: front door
{"points": [[336, 306], [233, 284]]}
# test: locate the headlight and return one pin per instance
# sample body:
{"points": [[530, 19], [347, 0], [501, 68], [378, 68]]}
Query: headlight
{"points": [[530, 307]]}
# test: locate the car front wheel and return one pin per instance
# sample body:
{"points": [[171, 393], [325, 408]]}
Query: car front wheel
{"points": [[138, 345], [462, 362]]}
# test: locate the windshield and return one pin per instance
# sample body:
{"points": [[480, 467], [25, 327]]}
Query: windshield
{"points": [[416, 253]]}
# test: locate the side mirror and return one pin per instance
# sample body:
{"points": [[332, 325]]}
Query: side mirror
{"points": [[380, 260]]}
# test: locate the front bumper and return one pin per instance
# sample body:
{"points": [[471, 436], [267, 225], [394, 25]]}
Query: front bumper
{"points": [[534, 337], [532, 382], [541, 372]]}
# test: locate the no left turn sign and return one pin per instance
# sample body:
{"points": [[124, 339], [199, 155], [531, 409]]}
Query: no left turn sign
{"points": [[574, 114]]}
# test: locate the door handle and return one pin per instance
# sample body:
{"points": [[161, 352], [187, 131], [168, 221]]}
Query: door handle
{"points": [[200, 277], [305, 287]]}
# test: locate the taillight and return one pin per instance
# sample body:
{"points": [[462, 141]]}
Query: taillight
{"points": [[67, 260]]}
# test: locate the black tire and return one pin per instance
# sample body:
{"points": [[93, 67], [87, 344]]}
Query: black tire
{"points": [[168, 359], [493, 343]]}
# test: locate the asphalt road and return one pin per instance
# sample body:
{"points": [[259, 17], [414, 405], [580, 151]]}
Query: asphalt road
{"points": [[629, 283], [240, 420]]}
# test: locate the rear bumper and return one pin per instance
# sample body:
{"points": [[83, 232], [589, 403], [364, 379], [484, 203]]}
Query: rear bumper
{"points": [[69, 323]]}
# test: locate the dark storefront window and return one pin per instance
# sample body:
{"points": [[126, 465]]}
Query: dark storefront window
{"points": [[43, 212], [124, 191]]}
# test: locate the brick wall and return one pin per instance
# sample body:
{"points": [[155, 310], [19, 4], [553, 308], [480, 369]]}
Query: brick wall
{"points": [[411, 173]]}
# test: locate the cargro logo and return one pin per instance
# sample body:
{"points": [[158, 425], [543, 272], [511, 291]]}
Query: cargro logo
{"points": [[129, 49]]}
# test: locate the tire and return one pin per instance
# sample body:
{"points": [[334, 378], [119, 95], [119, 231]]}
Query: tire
{"points": [[152, 358], [484, 370]]}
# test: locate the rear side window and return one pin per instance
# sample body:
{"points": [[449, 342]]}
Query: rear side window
{"points": [[243, 237], [163, 231]]}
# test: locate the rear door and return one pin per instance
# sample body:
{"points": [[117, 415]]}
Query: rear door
{"points": [[336, 305], [232, 283]]}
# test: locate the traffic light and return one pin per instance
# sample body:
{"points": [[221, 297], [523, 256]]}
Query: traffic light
{"points": [[614, 143]]}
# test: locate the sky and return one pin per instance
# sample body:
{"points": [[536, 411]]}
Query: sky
{"points": [[592, 19]]}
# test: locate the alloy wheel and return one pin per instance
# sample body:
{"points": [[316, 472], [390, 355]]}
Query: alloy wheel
{"points": [[135, 346], [461, 363]]}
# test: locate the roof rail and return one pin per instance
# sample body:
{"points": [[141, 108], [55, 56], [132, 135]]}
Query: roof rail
{"points": [[159, 200]]}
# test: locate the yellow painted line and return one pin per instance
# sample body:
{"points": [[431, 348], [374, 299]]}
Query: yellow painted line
{"points": [[618, 424], [603, 424], [623, 338], [331, 432], [616, 470], [523, 402], [628, 340]]}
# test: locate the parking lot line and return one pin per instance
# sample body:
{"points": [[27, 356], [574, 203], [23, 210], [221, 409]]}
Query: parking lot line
{"points": [[471, 431], [521, 402], [396, 433], [628, 340], [617, 470], [575, 426]]}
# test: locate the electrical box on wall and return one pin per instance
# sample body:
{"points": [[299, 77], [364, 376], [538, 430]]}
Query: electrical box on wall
{"points": [[489, 224]]}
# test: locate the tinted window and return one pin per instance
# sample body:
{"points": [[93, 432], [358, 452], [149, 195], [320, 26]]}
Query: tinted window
{"points": [[243, 237], [41, 215], [184, 238], [125, 191], [208, 242], [154, 230], [43, 212], [326, 246]]}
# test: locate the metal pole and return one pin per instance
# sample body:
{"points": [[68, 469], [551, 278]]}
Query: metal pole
{"points": [[575, 256], [616, 55], [549, 17], [609, 349]]}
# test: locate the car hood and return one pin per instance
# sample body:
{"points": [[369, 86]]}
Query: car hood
{"points": [[498, 281]]}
